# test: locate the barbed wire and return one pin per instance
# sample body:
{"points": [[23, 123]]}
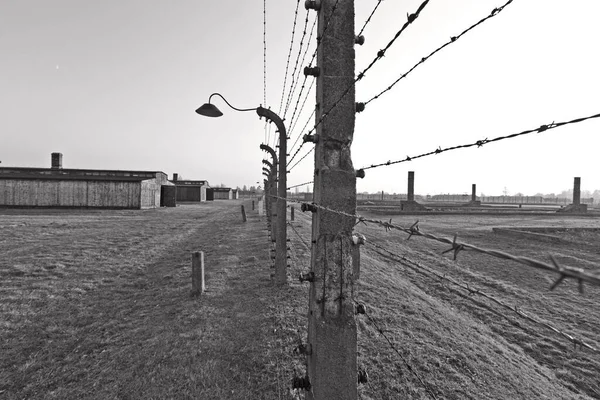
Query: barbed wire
{"points": [[381, 53], [294, 76], [309, 118], [300, 236], [299, 135], [419, 268], [287, 64], [370, 16], [410, 19], [453, 39], [305, 76], [564, 272], [265, 52], [480, 143], [303, 157], [393, 347], [265, 62], [300, 184]]}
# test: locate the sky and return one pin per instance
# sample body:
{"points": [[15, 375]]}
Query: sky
{"points": [[113, 84]]}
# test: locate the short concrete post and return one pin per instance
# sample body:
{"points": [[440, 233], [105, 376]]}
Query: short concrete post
{"points": [[252, 205], [473, 192], [411, 185], [243, 214], [292, 213], [198, 273], [577, 191]]}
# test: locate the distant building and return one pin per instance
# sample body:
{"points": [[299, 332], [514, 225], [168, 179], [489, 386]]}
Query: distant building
{"points": [[222, 193], [87, 188], [190, 191]]}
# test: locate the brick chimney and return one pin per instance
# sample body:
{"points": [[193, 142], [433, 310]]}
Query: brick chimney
{"points": [[175, 177], [56, 161]]}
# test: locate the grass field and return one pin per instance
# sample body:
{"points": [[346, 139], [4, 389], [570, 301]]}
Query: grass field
{"points": [[96, 304]]}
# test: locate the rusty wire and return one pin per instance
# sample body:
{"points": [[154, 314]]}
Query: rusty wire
{"points": [[480, 143], [453, 39], [417, 267], [563, 272], [393, 347]]}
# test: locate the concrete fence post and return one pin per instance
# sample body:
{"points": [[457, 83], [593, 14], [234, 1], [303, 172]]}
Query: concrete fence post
{"points": [[292, 213], [244, 219], [198, 286], [332, 335]]}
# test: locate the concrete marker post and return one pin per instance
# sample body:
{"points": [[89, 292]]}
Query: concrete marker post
{"points": [[198, 286]]}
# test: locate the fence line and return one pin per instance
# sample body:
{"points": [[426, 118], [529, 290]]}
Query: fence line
{"points": [[564, 272]]}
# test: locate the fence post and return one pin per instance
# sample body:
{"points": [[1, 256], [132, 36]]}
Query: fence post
{"points": [[198, 273], [292, 213], [243, 214], [332, 362]]}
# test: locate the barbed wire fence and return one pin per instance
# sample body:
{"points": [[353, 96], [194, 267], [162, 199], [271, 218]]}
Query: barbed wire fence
{"points": [[563, 272]]}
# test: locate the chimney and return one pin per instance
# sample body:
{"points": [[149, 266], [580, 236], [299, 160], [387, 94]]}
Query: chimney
{"points": [[577, 191], [56, 161], [175, 177]]}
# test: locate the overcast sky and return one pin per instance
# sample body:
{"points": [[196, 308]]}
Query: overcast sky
{"points": [[113, 84]]}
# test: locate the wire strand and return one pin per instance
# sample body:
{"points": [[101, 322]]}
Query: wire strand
{"points": [[453, 39], [419, 268], [480, 143], [287, 64], [369, 19]]}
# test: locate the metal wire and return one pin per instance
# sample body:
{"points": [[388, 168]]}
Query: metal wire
{"points": [[265, 61], [292, 120], [294, 75], [287, 64], [563, 272], [299, 236], [480, 143], [381, 53], [370, 16], [303, 157], [410, 19], [391, 344], [453, 39], [300, 184], [419, 268], [301, 109]]}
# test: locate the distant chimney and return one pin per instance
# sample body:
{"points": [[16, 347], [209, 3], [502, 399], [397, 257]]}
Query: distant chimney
{"points": [[175, 177], [56, 160]]}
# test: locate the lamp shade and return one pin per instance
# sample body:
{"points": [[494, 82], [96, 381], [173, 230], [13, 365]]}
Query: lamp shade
{"points": [[209, 110]]}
